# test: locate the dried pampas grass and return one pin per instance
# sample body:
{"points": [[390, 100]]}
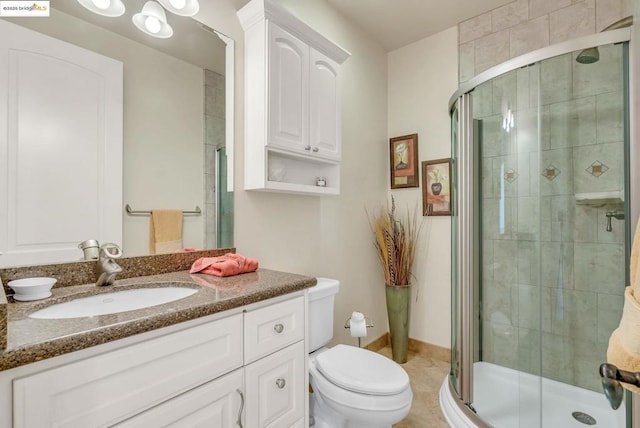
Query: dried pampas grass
{"points": [[395, 239]]}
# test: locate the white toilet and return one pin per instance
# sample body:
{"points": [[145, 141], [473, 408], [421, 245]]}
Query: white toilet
{"points": [[352, 387]]}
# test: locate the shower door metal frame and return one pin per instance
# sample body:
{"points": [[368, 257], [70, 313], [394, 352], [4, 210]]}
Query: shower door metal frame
{"points": [[468, 244]]}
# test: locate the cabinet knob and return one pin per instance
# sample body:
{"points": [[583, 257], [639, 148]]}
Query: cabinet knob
{"points": [[280, 383], [279, 328], [315, 149], [307, 147]]}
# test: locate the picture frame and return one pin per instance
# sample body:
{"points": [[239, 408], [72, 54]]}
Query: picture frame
{"points": [[403, 161], [436, 187]]}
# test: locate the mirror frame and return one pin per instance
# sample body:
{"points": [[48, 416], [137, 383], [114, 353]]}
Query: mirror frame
{"points": [[229, 82]]}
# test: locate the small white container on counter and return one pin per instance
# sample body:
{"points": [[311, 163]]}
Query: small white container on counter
{"points": [[32, 288]]}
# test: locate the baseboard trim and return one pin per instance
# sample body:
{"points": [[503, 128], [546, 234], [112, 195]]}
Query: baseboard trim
{"points": [[423, 348], [430, 350], [379, 343]]}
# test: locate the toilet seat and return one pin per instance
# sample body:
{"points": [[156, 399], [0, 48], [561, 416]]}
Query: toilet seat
{"points": [[344, 398], [362, 371]]}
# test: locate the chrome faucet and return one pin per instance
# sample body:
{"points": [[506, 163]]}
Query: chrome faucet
{"points": [[618, 215], [106, 268]]}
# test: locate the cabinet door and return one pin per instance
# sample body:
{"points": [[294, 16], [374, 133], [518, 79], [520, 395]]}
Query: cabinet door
{"points": [[111, 387], [276, 388], [217, 404], [325, 120], [288, 92]]}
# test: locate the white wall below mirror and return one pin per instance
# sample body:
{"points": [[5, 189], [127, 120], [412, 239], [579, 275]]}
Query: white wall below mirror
{"points": [[175, 121]]}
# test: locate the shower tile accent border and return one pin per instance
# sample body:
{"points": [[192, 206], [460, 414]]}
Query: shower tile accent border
{"points": [[597, 168]]}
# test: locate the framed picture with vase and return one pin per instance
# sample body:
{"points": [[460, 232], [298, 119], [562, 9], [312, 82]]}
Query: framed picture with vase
{"points": [[403, 156], [436, 187]]}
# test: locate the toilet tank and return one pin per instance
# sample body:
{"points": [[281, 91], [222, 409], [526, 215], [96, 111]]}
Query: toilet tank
{"points": [[321, 298]]}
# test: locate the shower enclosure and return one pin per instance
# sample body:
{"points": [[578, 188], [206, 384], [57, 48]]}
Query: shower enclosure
{"points": [[540, 237]]}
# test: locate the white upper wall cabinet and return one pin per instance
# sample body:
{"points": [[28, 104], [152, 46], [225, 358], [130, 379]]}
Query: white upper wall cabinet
{"points": [[326, 131], [288, 90], [293, 106]]}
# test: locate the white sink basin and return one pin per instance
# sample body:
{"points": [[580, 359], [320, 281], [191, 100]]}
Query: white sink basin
{"points": [[111, 303]]}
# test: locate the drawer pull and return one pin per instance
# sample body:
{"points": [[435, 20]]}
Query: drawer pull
{"points": [[307, 148], [239, 421], [280, 383], [279, 328], [315, 149]]}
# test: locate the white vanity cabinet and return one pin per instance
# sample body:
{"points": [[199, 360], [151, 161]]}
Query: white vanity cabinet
{"points": [[293, 103], [275, 365], [110, 387], [244, 367], [217, 404]]}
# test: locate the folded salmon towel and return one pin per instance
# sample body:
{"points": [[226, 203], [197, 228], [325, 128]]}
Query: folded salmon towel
{"points": [[227, 265]]}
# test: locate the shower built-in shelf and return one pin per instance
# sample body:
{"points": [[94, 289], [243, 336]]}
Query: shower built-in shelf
{"points": [[600, 198]]}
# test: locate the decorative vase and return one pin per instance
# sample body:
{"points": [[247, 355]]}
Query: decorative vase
{"points": [[436, 188], [399, 311]]}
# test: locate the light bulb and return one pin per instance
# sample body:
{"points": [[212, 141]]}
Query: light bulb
{"points": [[152, 24], [101, 4], [178, 4]]}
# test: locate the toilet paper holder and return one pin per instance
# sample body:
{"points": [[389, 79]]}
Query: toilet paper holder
{"points": [[367, 320], [368, 324]]}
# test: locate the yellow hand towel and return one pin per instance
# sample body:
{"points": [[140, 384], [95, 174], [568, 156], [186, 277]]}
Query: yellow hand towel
{"points": [[165, 231], [624, 343]]}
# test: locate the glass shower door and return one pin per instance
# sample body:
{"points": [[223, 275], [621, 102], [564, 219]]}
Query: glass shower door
{"points": [[507, 387], [455, 318], [550, 146]]}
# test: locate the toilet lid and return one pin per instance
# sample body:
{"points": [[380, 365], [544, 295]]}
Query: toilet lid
{"points": [[363, 371]]}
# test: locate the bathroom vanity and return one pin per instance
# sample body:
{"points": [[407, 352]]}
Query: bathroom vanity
{"points": [[232, 354]]}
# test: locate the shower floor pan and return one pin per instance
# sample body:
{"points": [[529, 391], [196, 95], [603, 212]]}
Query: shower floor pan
{"points": [[507, 398]]}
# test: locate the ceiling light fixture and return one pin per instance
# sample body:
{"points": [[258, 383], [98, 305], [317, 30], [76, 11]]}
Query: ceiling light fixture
{"points": [[110, 8], [181, 7], [153, 21]]}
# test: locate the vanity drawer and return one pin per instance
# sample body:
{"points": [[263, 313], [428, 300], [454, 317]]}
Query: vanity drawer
{"points": [[106, 389], [271, 328]]}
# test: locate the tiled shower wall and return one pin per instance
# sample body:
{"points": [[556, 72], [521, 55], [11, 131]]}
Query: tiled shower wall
{"points": [[553, 277], [214, 138], [526, 25]]}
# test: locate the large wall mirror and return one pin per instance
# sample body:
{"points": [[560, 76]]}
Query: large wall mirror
{"points": [[177, 148]]}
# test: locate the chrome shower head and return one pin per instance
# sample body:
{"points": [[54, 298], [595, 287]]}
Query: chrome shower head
{"points": [[588, 56], [610, 384], [591, 55]]}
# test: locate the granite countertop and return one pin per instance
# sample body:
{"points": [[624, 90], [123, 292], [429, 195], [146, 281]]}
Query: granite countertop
{"points": [[29, 340]]}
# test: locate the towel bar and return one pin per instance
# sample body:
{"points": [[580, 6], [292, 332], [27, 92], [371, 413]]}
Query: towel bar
{"points": [[130, 211]]}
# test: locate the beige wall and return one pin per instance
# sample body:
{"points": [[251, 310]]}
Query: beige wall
{"points": [[322, 236], [422, 78]]}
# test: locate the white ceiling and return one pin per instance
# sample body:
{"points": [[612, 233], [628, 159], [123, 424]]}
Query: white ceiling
{"points": [[397, 23]]}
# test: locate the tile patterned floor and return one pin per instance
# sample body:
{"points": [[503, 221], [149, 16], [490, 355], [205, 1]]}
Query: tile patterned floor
{"points": [[426, 375]]}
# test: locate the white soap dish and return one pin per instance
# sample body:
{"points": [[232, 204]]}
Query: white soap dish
{"points": [[29, 289]]}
